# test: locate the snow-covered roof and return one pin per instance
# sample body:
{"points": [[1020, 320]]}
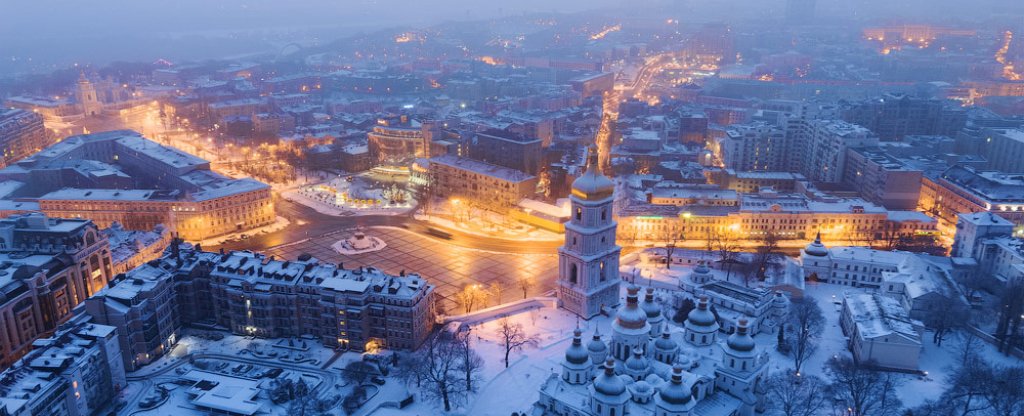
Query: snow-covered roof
{"points": [[877, 316]]}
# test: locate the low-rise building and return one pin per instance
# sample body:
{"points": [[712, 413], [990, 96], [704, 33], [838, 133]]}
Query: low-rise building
{"points": [[962, 189], [881, 331], [129, 249], [86, 177], [489, 185]]}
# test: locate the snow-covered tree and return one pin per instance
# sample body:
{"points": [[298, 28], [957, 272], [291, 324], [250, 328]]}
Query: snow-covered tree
{"points": [[513, 337]]}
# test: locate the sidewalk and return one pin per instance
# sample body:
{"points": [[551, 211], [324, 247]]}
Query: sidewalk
{"points": [[278, 225]]}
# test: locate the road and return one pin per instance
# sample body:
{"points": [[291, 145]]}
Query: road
{"points": [[307, 223]]}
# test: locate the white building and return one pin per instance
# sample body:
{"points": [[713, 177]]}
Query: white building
{"points": [[762, 308], [975, 226], [881, 331], [848, 266], [588, 262]]}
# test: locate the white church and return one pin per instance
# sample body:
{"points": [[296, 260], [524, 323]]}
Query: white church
{"points": [[644, 369]]}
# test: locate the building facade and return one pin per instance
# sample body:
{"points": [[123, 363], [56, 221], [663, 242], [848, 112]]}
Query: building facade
{"points": [[47, 267], [22, 133], [76, 372], [494, 187], [256, 295], [97, 177]]}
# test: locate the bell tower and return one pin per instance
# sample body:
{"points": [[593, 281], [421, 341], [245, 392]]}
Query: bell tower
{"points": [[588, 262]]}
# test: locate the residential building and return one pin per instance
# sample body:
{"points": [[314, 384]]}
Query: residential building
{"points": [[503, 148], [141, 305], [757, 146], [257, 295], [129, 249], [1004, 149], [894, 116], [882, 179], [485, 184], [47, 267], [21, 134], [824, 148], [76, 372]]}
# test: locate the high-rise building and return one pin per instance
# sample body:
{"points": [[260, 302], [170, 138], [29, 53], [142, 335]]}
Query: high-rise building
{"points": [[756, 146], [22, 133], [893, 116], [824, 144], [1004, 149], [588, 262]]}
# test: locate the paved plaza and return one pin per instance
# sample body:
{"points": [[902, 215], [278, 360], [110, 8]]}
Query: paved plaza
{"points": [[448, 267]]}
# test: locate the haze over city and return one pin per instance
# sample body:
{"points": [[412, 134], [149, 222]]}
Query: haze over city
{"points": [[561, 208]]}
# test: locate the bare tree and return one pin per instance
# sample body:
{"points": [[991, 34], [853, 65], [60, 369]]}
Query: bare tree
{"points": [[861, 390], [513, 337], [436, 367], [726, 246], [495, 290], [946, 314], [1004, 391], [672, 245], [767, 253], [788, 394], [967, 384], [525, 284], [472, 296], [470, 362], [967, 345], [805, 321]]}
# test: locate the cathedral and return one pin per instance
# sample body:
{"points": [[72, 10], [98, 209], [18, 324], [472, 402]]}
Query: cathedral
{"points": [[588, 262], [642, 369]]}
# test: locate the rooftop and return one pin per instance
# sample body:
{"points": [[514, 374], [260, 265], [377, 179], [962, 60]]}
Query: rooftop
{"points": [[483, 168]]}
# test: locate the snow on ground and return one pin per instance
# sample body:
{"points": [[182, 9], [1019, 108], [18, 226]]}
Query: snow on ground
{"points": [[516, 389]]}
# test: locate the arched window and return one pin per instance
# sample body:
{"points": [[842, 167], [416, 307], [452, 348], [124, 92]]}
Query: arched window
{"points": [[603, 277], [579, 214], [604, 214], [573, 271]]}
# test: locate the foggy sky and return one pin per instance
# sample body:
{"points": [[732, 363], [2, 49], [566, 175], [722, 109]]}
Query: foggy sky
{"points": [[61, 32]]}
